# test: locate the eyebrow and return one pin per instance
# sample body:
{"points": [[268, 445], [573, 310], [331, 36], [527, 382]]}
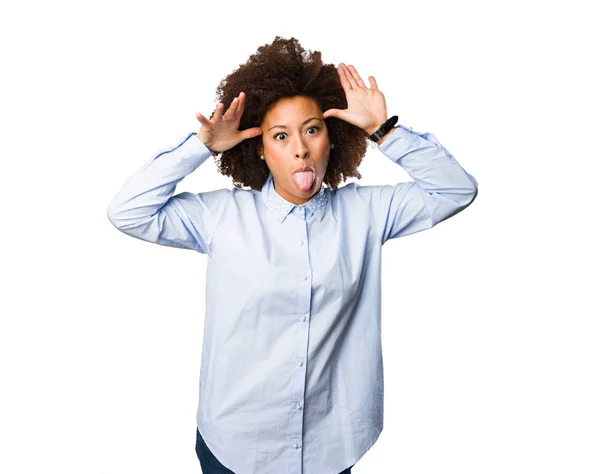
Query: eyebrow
{"points": [[303, 123]]}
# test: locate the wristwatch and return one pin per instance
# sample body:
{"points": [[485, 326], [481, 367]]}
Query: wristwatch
{"points": [[385, 128]]}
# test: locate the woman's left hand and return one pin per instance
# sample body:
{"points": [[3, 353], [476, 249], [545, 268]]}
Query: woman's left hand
{"points": [[366, 107]]}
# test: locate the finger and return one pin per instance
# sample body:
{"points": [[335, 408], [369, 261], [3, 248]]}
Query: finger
{"points": [[373, 82], [251, 132], [241, 102], [235, 105], [230, 114], [356, 76], [337, 113], [218, 115], [351, 79], [202, 119], [344, 80]]}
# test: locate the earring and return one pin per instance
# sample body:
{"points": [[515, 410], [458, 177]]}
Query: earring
{"points": [[332, 145], [262, 157]]}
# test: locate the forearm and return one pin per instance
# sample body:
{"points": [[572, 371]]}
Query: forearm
{"points": [[149, 188], [444, 185]]}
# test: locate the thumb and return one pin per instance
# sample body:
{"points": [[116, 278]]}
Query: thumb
{"points": [[332, 113], [251, 132]]}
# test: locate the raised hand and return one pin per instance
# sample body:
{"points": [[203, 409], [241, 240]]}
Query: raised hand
{"points": [[221, 132], [366, 107]]}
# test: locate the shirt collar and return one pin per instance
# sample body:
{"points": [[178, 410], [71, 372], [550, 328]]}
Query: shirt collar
{"points": [[282, 207]]}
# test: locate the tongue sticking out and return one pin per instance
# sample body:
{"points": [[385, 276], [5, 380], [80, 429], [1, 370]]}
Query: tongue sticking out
{"points": [[304, 179]]}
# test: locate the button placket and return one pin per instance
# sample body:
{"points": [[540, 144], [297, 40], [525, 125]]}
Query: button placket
{"points": [[304, 277]]}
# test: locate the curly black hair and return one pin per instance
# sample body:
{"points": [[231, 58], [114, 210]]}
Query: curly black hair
{"points": [[283, 69]]}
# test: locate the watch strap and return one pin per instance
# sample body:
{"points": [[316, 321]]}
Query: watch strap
{"points": [[384, 129]]}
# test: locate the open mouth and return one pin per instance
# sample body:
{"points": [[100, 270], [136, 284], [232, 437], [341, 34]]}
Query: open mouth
{"points": [[304, 179]]}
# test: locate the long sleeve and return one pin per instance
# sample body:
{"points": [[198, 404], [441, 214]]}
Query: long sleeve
{"points": [[441, 187], [145, 207]]}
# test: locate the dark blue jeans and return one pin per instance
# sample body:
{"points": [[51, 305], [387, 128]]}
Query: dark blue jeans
{"points": [[211, 465]]}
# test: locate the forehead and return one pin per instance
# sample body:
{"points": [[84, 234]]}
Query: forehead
{"points": [[295, 108]]}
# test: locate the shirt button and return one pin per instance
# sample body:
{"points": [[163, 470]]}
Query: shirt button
{"points": [[303, 318], [298, 406], [300, 364], [305, 278], [296, 445], [302, 242]]}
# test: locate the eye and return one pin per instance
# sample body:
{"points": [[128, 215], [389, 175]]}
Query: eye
{"points": [[309, 128]]}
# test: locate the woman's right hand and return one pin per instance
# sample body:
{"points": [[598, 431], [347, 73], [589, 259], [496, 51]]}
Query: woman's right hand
{"points": [[221, 133]]}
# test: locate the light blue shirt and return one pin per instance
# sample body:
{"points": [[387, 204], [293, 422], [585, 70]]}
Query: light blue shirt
{"points": [[291, 378]]}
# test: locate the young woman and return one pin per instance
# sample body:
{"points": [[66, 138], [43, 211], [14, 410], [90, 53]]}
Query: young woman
{"points": [[291, 375]]}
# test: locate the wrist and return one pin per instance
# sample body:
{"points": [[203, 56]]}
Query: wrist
{"points": [[382, 139], [381, 133], [209, 148], [371, 130]]}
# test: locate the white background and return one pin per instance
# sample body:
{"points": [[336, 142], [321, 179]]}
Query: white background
{"points": [[490, 320]]}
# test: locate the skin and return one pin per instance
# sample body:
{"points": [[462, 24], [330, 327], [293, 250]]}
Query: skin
{"points": [[295, 144], [289, 143]]}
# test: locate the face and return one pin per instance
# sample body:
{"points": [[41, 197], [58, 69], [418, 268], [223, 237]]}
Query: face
{"points": [[295, 136]]}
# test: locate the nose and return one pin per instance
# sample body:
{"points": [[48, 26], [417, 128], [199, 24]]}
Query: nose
{"points": [[300, 150]]}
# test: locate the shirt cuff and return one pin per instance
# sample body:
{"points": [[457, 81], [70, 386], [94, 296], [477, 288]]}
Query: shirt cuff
{"points": [[400, 142], [191, 151]]}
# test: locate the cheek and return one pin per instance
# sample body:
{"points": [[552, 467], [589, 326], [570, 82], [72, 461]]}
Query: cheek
{"points": [[323, 148], [274, 154], [325, 152]]}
